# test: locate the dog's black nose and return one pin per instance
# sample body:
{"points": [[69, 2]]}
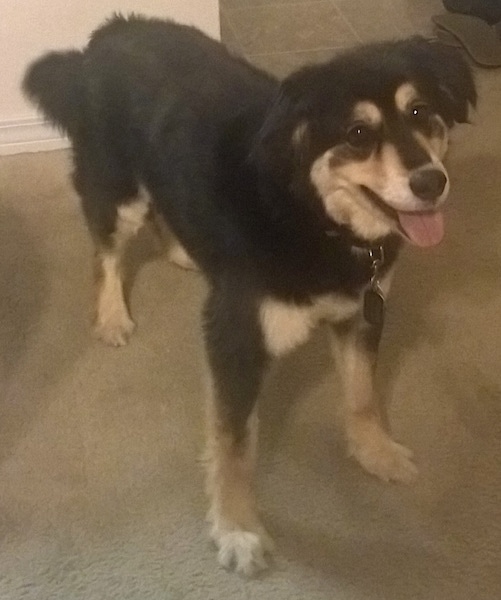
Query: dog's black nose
{"points": [[428, 184]]}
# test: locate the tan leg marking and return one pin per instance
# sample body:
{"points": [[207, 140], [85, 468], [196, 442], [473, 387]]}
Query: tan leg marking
{"points": [[181, 258], [367, 440], [241, 540], [113, 324]]}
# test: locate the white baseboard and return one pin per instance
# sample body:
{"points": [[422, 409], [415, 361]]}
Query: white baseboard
{"points": [[29, 135]]}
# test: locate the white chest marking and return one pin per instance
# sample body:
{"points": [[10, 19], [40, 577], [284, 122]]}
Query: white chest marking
{"points": [[286, 325]]}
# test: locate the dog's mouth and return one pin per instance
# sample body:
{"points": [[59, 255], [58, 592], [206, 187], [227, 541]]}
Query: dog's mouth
{"points": [[422, 228]]}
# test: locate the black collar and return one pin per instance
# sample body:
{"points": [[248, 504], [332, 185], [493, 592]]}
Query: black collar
{"points": [[371, 249], [383, 250]]}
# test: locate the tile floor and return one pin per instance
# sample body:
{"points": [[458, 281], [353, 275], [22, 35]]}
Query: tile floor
{"points": [[280, 35]]}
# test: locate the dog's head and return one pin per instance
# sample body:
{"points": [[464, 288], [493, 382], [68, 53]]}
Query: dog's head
{"points": [[367, 132]]}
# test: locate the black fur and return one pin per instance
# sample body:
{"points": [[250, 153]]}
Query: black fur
{"points": [[212, 139]]}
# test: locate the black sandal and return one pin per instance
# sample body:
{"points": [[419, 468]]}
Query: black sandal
{"points": [[487, 10], [481, 40]]}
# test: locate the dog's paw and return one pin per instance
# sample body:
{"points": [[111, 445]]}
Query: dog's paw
{"points": [[243, 551], [384, 458], [114, 331]]}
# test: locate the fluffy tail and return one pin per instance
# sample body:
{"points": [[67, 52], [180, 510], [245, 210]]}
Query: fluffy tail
{"points": [[55, 83]]}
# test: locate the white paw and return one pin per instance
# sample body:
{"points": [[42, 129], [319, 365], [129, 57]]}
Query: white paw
{"points": [[388, 460], [179, 256], [243, 551], [115, 330]]}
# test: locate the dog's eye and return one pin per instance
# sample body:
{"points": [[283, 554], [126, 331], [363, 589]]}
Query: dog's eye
{"points": [[421, 113], [360, 135]]}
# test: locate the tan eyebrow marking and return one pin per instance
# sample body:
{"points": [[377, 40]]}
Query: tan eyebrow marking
{"points": [[405, 95], [367, 112]]}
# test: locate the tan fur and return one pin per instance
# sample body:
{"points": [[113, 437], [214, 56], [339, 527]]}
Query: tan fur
{"points": [[344, 201], [113, 324], [285, 325], [405, 96], [299, 134], [367, 112], [367, 440], [384, 174], [437, 145], [130, 218], [181, 258], [339, 175], [236, 530], [392, 182]]}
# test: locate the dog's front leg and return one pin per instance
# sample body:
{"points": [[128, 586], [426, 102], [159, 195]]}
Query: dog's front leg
{"points": [[236, 363], [355, 349]]}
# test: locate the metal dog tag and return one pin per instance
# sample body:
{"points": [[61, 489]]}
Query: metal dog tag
{"points": [[373, 295], [374, 305]]}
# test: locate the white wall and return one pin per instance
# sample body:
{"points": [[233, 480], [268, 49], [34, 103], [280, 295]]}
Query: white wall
{"points": [[30, 27]]}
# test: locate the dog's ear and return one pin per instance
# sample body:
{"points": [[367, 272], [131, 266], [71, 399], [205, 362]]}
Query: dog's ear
{"points": [[453, 83]]}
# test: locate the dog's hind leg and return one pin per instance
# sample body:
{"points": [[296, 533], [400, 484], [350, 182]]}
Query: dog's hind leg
{"points": [[114, 212], [113, 324], [355, 348], [177, 253], [236, 361]]}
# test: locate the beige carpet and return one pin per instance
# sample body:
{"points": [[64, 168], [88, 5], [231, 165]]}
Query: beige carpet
{"points": [[100, 489]]}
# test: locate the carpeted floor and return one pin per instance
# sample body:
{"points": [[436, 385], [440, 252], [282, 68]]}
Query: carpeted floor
{"points": [[101, 492]]}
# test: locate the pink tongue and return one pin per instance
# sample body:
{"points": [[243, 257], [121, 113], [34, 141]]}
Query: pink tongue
{"points": [[424, 228]]}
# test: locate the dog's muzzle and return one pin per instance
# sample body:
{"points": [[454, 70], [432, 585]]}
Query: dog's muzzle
{"points": [[425, 227]]}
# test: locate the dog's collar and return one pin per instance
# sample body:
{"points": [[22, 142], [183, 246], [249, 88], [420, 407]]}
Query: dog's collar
{"points": [[373, 297], [373, 250]]}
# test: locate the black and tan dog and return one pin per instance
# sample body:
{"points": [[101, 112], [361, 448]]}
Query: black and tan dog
{"points": [[293, 198]]}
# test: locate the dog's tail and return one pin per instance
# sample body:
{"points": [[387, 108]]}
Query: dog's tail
{"points": [[55, 83]]}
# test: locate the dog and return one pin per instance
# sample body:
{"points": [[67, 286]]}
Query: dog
{"points": [[293, 198]]}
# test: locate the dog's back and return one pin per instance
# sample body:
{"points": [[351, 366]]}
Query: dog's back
{"points": [[142, 69], [156, 103]]}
